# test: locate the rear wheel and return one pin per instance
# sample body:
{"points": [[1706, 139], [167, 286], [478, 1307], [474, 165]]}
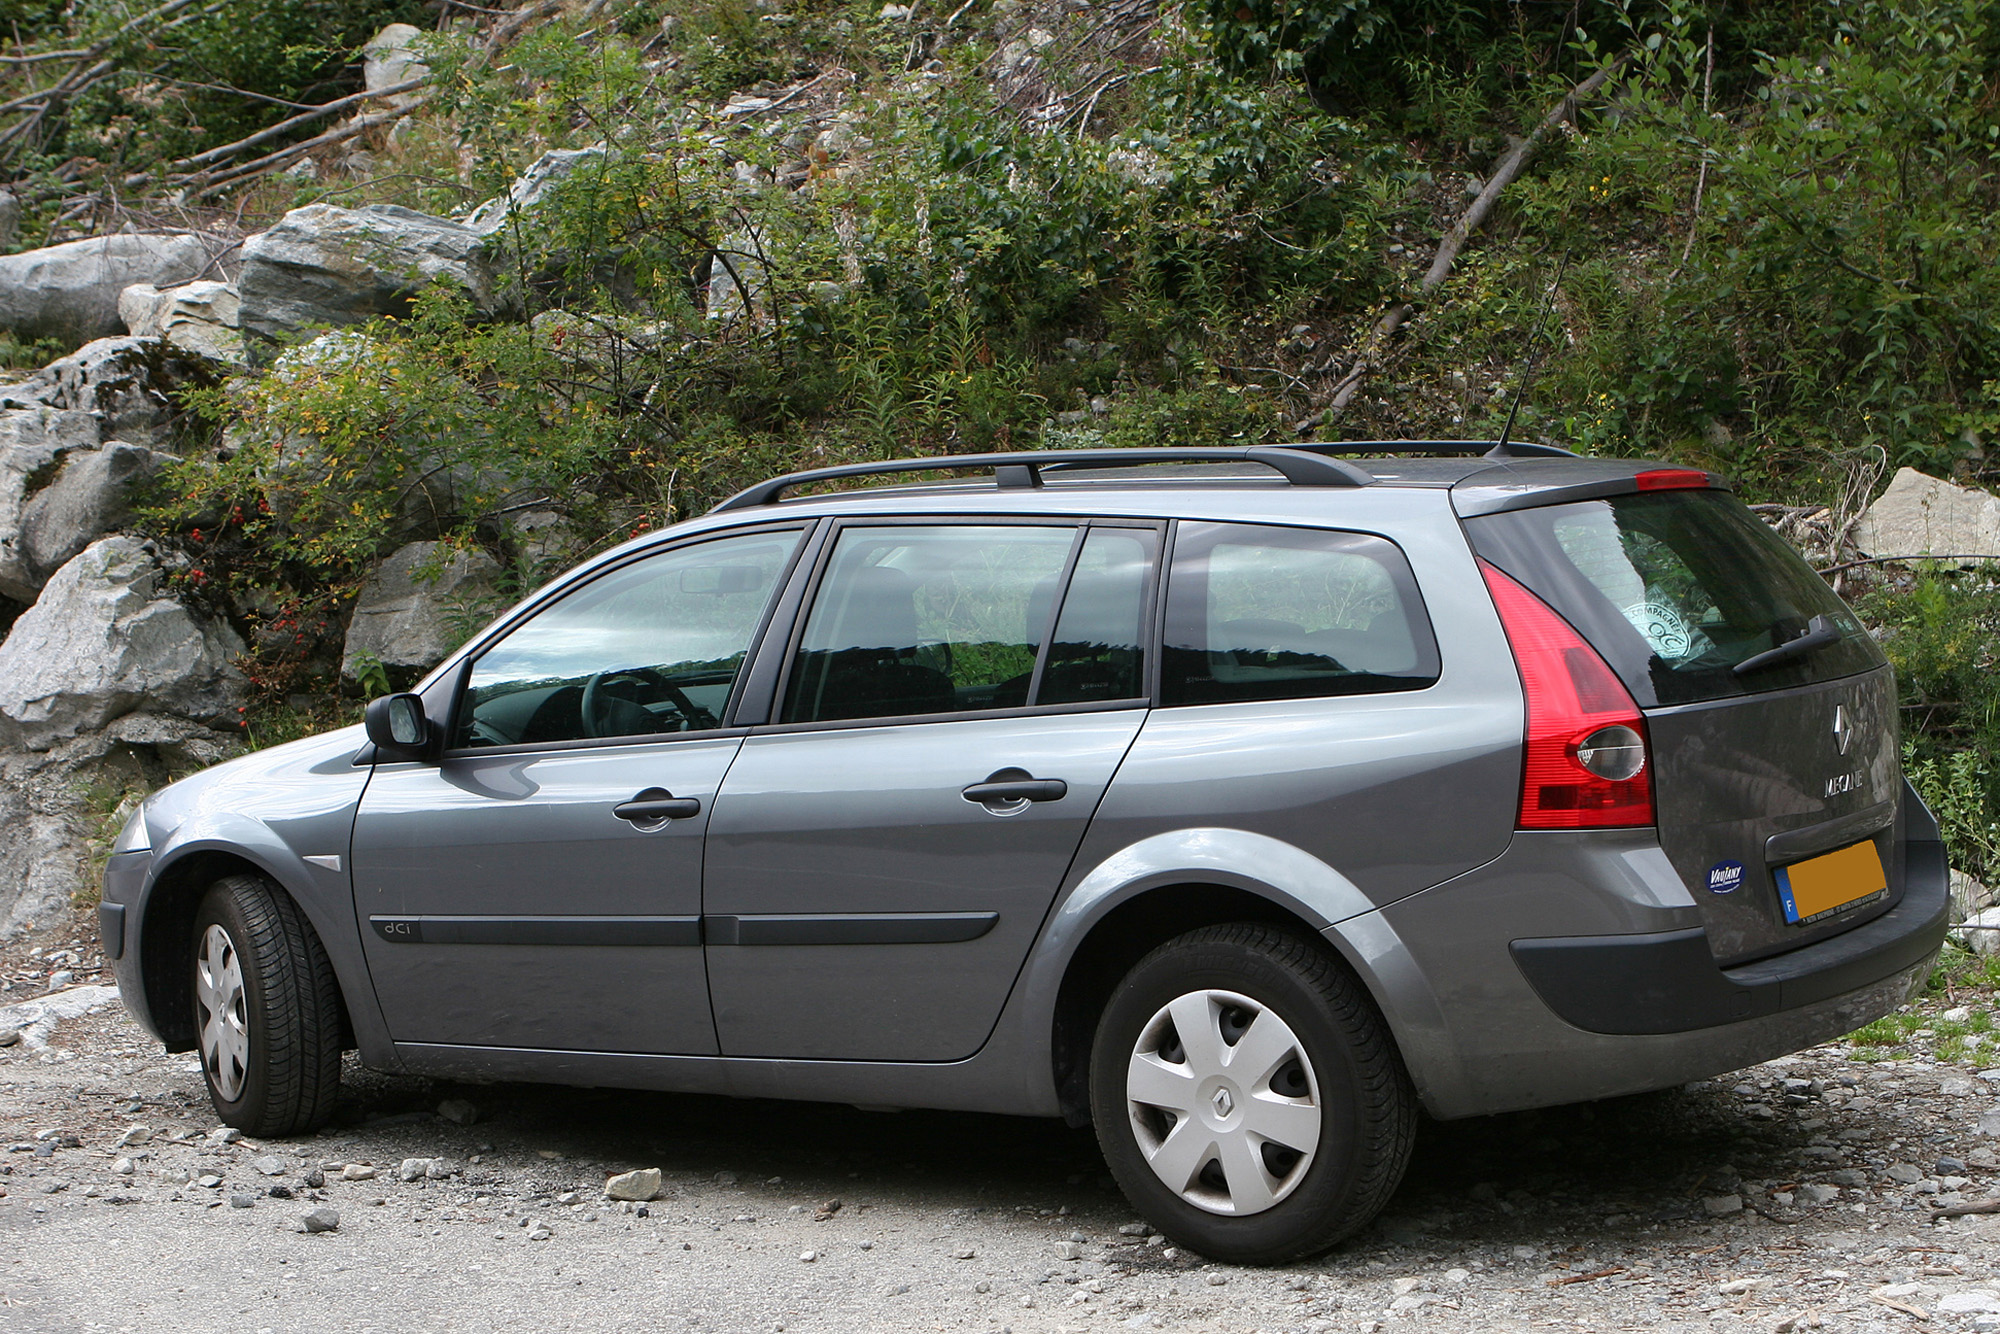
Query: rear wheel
{"points": [[266, 1008], [1247, 1095]]}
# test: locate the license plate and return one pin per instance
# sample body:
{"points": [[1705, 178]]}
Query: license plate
{"points": [[1825, 885]]}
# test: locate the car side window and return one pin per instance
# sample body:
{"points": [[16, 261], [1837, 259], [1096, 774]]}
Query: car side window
{"points": [[652, 647], [1258, 612], [1098, 650], [921, 619]]}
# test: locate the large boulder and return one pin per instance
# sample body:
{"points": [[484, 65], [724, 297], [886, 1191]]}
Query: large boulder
{"points": [[132, 384], [198, 317], [419, 605], [323, 265], [71, 291], [106, 639], [1921, 515], [34, 444], [91, 495]]}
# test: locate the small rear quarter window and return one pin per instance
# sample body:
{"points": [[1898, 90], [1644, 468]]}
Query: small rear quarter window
{"points": [[1263, 612]]}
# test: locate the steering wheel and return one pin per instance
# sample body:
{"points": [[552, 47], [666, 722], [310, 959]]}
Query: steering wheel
{"points": [[607, 713]]}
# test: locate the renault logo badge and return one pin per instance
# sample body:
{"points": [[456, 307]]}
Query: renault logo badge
{"points": [[1843, 730], [1224, 1104]]}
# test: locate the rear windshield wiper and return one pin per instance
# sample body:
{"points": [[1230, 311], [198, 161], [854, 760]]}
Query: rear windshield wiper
{"points": [[1819, 633]]}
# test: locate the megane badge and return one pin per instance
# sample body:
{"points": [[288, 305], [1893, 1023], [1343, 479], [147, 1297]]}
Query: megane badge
{"points": [[1843, 730]]}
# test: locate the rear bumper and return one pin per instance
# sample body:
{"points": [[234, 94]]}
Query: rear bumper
{"points": [[1667, 981], [1617, 992]]}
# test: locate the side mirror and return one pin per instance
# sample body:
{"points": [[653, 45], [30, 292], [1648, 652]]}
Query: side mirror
{"points": [[396, 723]]}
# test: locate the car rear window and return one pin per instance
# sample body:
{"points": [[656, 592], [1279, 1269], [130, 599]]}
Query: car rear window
{"points": [[1674, 589], [1259, 612]]}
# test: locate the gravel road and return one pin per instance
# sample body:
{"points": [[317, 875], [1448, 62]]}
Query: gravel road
{"points": [[1798, 1195]]}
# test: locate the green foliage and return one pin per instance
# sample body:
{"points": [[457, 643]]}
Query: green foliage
{"points": [[1943, 636]]}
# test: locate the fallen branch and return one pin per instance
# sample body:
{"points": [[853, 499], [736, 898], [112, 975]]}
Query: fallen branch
{"points": [[274, 131], [1892, 560], [205, 184], [1568, 1279], [1474, 217], [1961, 1210]]}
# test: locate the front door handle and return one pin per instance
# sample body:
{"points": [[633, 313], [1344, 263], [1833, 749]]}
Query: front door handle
{"points": [[1004, 787], [655, 806]]}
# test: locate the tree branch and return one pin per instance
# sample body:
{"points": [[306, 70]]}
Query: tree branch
{"points": [[1470, 221]]}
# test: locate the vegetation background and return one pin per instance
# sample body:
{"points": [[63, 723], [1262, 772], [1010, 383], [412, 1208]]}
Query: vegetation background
{"points": [[1766, 242]]}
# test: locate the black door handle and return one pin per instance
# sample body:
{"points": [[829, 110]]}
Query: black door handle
{"points": [[656, 804], [992, 793]]}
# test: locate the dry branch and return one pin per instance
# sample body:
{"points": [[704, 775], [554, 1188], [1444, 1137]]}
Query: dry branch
{"points": [[1470, 221]]}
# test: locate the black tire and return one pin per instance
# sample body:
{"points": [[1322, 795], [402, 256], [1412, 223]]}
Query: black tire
{"points": [[1367, 1108], [286, 1081]]}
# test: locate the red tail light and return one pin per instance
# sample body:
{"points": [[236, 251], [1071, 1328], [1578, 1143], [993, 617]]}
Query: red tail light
{"points": [[1586, 765]]}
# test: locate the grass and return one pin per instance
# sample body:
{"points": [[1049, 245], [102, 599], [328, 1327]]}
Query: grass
{"points": [[1961, 985]]}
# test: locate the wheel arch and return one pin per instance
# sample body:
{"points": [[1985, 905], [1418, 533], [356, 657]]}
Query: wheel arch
{"points": [[1118, 940], [166, 934]]}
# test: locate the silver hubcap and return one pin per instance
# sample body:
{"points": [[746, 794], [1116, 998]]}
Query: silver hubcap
{"points": [[218, 999], [1224, 1102]]}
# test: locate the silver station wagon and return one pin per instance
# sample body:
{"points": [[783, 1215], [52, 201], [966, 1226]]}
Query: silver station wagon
{"points": [[1243, 802]]}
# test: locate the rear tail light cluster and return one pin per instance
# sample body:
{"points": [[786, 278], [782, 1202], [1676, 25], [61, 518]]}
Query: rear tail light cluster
{"points": [[1586, 765]]}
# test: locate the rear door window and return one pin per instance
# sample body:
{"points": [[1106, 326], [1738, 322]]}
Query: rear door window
{"points": [[1674, 589], [1257, 612]]}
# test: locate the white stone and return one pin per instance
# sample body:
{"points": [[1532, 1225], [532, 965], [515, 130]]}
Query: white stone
{"points": [[90, 496], [105, 639], [639, 1186], [391, 57], [530, 189], [199, 317], [1980, 932], [1920, 515], [71, 291]]}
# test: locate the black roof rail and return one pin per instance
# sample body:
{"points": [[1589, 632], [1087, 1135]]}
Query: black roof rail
{"points": [[1490, 449], [1299, 466]]}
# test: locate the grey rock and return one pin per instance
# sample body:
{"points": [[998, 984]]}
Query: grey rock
{"points": [[322, 265], [405, 621], [458, 1111], [242, 1200], [131, 384], [1904, 1174], [201, 317], [71, 291], [208, 1180], [135, 1135], [1977, 1301], [124, 1167], [104, 640], [325, 1218], [224, 1135], [1920, 515], [313, 1179], [1069, 1250], [538, 1234], [530, 190], [1980, 932], [91, 495], [1815, 1194], [10, 219], [414, 1169], [639, 1186], [1948, 1166], [357, 1172], [1721, 1206], [390, 57], [34, 441], [270, 1165]]}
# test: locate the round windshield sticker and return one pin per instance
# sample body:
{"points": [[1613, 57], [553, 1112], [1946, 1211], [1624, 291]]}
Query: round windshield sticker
{"points": [[1663, 628], [1724, 877]]}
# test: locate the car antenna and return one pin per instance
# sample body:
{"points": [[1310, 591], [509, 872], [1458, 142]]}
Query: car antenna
{"points": [[1534, 349]]}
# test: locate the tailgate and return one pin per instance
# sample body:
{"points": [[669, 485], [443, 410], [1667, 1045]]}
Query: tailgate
{"points": [[1770, 712]]}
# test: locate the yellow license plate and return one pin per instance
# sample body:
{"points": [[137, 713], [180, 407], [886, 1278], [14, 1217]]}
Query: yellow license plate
{"points": [[1824, 885]]}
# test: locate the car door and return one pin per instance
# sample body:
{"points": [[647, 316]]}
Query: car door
{"points": [[541, 886], [881, 858]]}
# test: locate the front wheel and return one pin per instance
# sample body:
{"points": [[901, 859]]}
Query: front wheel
{"points": [[1247, 1095], [266, 1009]]}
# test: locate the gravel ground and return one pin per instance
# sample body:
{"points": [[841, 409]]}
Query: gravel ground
{"points": [[1802, 1194]]}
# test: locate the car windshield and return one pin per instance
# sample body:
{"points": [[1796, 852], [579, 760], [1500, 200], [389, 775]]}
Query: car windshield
{"points": [[1675, 589]]}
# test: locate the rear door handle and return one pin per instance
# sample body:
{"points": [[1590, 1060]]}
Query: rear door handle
{"points": [[992, 793], [655, 806]]}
